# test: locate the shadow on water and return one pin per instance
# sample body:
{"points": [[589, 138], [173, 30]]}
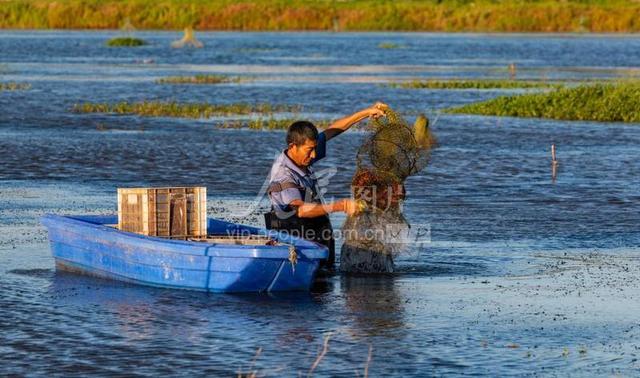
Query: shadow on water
{"points": [[35, 273], [439, 269], [96, 290]]}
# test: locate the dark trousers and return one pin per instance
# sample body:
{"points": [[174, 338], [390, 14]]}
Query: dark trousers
{"points": [[316, 229]]}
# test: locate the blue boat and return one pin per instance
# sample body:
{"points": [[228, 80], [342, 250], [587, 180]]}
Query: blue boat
{"points": [[235, 258]]}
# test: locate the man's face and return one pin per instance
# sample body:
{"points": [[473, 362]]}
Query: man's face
{"points": [[303, 155]]}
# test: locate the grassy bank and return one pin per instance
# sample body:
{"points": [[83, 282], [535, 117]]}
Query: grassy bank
{"points": [[200, 79], [355, 15], [610, 102], [264, 121], [474, 84], [183, 110]]}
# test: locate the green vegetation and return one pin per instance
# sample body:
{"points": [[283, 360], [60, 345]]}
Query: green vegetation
{"points": [[264, 121], [474, 84], [200, 79], [605, 102], [389, 45], [185, 110], [268, 124], [125, 42], [354, 15], [10, 86]]}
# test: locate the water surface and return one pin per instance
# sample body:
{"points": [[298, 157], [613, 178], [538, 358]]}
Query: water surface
{"points": [[521, 274]]}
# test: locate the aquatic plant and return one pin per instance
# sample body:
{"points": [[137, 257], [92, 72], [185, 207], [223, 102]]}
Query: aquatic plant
{"points": [[354, 15], [11, 86], [125, 42], [268, 123], [474, 84], [200, 79], [183, 110], [603, 102], [389, 45]]}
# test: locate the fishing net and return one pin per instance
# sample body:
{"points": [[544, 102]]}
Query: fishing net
{"points": [[392, 152]]}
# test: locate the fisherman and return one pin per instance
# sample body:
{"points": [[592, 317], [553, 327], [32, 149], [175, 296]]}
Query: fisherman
{"points": [[296, 202]]}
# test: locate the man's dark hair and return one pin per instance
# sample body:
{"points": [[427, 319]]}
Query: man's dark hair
{"points": [[300, 131]]}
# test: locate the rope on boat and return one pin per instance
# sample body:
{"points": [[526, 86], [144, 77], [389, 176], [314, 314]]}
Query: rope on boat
{"points": [[293, 255], [293, 258]]}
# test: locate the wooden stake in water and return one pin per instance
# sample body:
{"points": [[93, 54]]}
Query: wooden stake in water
{"points": [[554, 163], [512, 71]]}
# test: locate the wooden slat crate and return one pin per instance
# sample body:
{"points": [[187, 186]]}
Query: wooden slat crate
{"points": [[175, 213]]}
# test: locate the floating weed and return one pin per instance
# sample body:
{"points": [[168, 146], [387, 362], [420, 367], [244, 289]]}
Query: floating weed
{"points": [[389, 45], [268, 124], [254, 49], [11, 86], [602, 102], [183, 110], [474, 84], [200, 79], [125, 42]]}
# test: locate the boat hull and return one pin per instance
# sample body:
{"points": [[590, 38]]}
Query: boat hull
{"points": [[86, 245]]}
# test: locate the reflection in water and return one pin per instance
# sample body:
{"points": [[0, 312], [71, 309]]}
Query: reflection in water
{"points": [[129, 306], [375, 305], [147, 313]]}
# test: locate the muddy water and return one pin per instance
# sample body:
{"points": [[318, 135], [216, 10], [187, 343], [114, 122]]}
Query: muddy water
{"points": [[520, 274]]}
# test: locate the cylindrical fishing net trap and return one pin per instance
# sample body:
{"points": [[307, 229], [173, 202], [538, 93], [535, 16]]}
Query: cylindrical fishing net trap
{"points": [[392, 152]]}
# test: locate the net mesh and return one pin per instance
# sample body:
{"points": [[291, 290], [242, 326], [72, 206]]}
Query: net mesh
{"points": [[392, 152]]}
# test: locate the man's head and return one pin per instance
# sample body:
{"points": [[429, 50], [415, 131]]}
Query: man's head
{"points": [[302, 139]]}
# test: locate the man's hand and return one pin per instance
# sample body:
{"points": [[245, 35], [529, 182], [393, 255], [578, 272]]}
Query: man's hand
{"points": [[351, 207], [377, 110]]}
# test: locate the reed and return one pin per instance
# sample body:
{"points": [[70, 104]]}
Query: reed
{"points": [[200, 79], [183, 110], [602, 102], [475, 84], [11, 86], [355, 15], [125, 42], [268, 124]]}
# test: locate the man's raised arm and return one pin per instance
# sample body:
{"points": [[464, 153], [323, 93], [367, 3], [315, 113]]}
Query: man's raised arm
{"points": [[343, 124]]}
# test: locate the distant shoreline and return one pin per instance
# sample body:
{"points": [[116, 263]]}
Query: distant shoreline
{"points": [[480, 16], [355, 32]]}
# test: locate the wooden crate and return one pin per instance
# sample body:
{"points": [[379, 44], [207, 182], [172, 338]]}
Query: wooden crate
{"points": [[175, 213]]}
